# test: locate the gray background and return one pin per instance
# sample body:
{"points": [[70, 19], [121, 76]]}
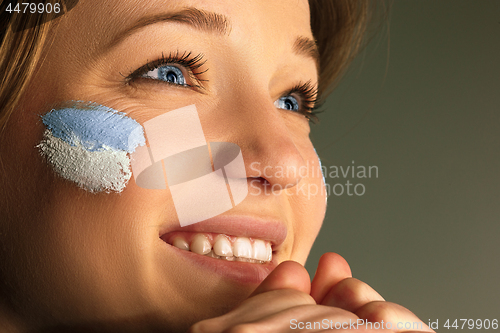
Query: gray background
{"points": [[423, 106]]}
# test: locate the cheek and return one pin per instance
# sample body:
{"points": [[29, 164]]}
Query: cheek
{"points": [[308, 201], [88, 144], [315, 189], [315, 193]]}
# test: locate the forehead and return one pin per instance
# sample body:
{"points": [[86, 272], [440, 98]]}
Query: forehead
{"points": [[253, 22]]}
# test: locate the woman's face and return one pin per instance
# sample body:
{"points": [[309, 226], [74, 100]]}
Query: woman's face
{"points": [[89, 257]]}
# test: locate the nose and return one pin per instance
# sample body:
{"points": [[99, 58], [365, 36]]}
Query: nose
{"points": [[274, 159], [270, 153]]}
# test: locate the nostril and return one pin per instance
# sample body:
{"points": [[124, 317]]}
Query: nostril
{"points": [[261, 185], [260, 180]]}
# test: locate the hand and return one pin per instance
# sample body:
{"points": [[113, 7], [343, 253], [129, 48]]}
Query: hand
{"points": [[282, 296], [286, 297], [333, 285]]}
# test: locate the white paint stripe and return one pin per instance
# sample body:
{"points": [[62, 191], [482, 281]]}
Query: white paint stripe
{"points": [[95, 171]]}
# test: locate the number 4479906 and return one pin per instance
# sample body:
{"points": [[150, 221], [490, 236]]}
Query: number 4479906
{"points": [[31, 7], [472, 324]]}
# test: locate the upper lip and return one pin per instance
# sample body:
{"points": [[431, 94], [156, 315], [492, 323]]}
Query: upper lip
{"points": [[241, 226]]}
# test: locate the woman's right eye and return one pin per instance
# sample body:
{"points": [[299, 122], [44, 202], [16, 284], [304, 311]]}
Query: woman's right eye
{"points": [[167, 73], [178, 69]]}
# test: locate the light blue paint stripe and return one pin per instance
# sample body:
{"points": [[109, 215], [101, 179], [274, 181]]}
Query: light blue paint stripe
{"points": [[95, 126]]}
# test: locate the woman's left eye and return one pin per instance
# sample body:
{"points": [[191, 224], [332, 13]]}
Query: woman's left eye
{"points": [[167, 73], [300, 99], [287, 103]]}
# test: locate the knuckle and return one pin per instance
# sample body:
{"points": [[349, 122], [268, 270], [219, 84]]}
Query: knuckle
{"points": [[299, 297], [243, 328], [378, 310], [349, 288], [355, 293], [205, 326], [348, 294]]}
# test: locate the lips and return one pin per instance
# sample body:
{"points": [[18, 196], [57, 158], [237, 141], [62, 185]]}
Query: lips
{"points": [[238, 247], [270, 230]]}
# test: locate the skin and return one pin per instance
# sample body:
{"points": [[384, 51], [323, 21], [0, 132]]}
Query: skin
{"points": [[71, 259]]}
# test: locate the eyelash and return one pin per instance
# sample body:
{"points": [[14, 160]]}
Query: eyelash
{"points": [[185, 59], [308, 93]]}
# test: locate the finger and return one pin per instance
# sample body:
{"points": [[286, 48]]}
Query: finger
{"points": [[286, 286], [254, 309], [351, 294], [332, 268], [401, 319], [303, 318], [288, 275]]}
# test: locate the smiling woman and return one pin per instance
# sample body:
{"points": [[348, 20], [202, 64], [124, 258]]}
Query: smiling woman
{"points": [[186, 96]]}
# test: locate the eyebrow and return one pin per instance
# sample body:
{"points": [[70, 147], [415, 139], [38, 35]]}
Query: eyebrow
{"points": [[210, 22], [307, 47], [199, 19]]}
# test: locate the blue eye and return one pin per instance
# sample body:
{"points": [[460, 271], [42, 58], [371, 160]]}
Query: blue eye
{"points": [[287, 103], [167, 73]]}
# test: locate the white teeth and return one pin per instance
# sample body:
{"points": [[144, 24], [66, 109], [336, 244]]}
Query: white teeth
{"points": [[200, 244], [259, 250], [222, 246], [181, 244], [269, 251], [242, 248]]}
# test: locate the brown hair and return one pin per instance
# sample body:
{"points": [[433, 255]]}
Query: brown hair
{"points": [[22, 38], [338, 27]]}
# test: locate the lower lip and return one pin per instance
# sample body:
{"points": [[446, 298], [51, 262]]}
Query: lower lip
{"points": [[241, 272]]}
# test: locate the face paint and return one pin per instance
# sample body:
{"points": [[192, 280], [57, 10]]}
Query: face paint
{"points": [[88, 144]]}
